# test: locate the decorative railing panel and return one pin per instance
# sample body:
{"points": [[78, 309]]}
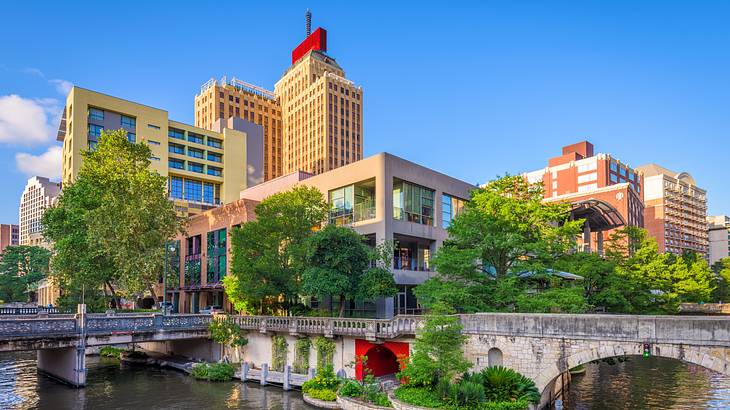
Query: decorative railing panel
{"points": [[23, 327]]}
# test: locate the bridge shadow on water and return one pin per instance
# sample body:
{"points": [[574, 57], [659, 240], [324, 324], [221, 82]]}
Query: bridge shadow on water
{"points": [[112, 385], [648, 383]]}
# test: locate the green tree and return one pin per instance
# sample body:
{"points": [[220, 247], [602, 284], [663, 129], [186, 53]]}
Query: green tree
{"points": [[721, 269], [602, 287], [111, 224], [268, 253], [338, 262], [505, 228], [21, 268]]}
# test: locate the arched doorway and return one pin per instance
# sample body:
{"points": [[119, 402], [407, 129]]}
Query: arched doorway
{"points": [[494, 357], [383, 358]]}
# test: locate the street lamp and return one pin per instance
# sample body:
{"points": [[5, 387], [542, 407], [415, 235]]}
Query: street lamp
{"points": [[171, 248]]}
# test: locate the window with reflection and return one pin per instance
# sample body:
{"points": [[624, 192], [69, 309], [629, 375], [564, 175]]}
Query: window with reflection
{"points": [[216, 262], [412, 203], [451, 206], [352, 203]]}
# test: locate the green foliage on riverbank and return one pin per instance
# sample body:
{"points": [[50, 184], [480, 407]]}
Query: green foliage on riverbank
{"points": [[213, 372], [225, 332], [110, 351], [324, 385]]}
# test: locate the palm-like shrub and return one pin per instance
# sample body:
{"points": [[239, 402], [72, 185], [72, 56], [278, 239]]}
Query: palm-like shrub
{"points": [[503, 384]]}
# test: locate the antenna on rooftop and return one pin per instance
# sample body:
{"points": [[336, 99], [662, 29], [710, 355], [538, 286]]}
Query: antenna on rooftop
{"points": [[308, 17]]}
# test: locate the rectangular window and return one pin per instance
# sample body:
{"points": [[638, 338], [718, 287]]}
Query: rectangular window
{"points": [[196, 138], [451, 206], [215, 157], [92, 145], [193, 190], [128, 122], [622, 171], [614, 178], [132, 137], [173, 265], [215, 143], [192, 261], [614, 167], [211, 193], [216, 263], [352, 203], [195, 153], [153, 142], [153, 126], [176, 149], [195, 167], [412, 203], [95, 130], [587, 177], [176, 163], [586, 188], [591, 166], [175, 133], [96, 114], [215, 171], [176, 188]]}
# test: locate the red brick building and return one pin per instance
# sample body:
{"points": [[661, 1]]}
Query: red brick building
{"points": [[602, 189]]}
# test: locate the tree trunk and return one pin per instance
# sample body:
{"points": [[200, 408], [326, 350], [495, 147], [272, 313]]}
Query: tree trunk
{"points": [[342, 305], [151, 288], [114, 295]]}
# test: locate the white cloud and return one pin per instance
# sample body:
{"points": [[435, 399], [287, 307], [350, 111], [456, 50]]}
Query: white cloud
{"points": [[26, 121], [47, 164], [62, 86]]}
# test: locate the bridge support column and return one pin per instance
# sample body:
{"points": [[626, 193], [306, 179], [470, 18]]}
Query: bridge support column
{"points": [[67, 364]]}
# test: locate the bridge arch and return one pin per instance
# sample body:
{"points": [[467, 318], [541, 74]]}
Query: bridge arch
{"points": [[714, 359]]}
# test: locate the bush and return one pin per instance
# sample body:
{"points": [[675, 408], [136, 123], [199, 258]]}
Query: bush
{"points": [[225, 332], [214, 372], [322, 394], [324, 380], [503, 384], [110, 351], [380, 399], [351, 388], [418, 396]]}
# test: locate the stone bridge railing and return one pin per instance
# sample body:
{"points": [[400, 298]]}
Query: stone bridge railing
{"points": [[72, 325], [370, 329]]}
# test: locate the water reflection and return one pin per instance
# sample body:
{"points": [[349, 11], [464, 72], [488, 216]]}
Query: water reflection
{"points": [[648, 383], [115, 386]]}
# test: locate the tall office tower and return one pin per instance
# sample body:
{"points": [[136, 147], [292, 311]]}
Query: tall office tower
{"points": [[204, 168], [719, 235], [603, 191], [39, 193], [676, 210], [321, 110], [234, 98], [8, 236]]}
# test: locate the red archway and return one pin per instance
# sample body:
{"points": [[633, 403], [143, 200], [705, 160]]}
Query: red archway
{"points": [[382, 358]]}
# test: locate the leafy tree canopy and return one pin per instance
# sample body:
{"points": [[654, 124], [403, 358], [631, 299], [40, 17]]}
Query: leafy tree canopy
{"points": [[21, 268]]}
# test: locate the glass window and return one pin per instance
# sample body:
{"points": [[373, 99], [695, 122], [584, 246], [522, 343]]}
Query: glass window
{"points": [[212, 156], [128, 122], [216, 264], [176, 163], [195, 167], [132, 137], [92, 145], [195, 153], [622, 171], [192, 261], [193, 190], [215, 171], [352, 203], [413, 203], [96, 114], [614, 178], [176, 188], [215, 143], [614, 166], [196, 138], [95, 130], [175, 133], [631, 175], [587, 177], [451, 206], [176, 149]]}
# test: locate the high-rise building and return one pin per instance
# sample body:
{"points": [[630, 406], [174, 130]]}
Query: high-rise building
{"points": [[204, 168], [607, 193], [719, 237], [39, 193], [8, 236], [676, 210], [321, 110], [234, 98]]}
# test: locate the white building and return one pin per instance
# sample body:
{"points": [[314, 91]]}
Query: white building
{"points": [[39, 194], [719, 232]]}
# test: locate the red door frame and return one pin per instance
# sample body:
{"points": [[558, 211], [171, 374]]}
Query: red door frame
{"points": [[399, 349]]}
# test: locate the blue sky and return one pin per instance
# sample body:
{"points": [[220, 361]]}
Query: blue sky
{"points": [[472, 89]]}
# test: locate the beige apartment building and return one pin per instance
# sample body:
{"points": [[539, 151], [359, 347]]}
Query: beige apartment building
{"points": [[675, 211], [235, 98], [382, 197], [719, 237], [39, 194]]}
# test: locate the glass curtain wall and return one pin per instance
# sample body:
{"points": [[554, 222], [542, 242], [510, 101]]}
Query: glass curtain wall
{"points": [[216, 262], [413, 203], [352, 203], [192, 261]]}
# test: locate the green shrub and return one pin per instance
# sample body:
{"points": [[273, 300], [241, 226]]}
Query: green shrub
{"points": [[506, 405], [225, 332], [503, 384], [325, 351], [110, 351], [301, 355], [278, 353], [351, 388], [214, 372], [324, 380], [322, 394], [418, 396], [380, 399]]}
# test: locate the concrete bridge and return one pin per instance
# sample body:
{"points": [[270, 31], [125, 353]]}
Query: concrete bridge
{"points": [[540, 346]]}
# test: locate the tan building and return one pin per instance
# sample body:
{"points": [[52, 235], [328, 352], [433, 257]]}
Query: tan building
{"points": [[39, 194], [719, 237], [676, 210], [321, 110], [205, 168], [8, 236], [605, 192], [234, 98], [382, 197], [48, 292]]}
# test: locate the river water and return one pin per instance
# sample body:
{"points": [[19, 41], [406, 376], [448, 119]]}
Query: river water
{"points": [[111, 385], [648, 383]]}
